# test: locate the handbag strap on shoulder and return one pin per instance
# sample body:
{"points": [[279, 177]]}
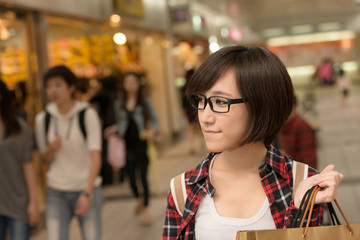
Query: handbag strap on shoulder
{"points": [[178, 191], [300, 172]]}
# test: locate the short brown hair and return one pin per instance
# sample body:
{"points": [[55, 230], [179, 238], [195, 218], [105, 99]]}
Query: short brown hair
{"points": [[262, 80], [61, 71]]}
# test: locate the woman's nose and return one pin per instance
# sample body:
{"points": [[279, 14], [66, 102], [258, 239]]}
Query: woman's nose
{"points": [[206, 115]]}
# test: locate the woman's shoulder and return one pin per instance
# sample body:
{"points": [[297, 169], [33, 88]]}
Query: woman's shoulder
{"points": [[199, 172], [288, 162], [25, 129], [23, 123], [278, 159], [284, 164], [118, 103]]}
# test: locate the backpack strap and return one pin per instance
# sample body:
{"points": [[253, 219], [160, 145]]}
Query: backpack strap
{"points": [[300, 172], [82, 123], [47, 124], [178, 191]]}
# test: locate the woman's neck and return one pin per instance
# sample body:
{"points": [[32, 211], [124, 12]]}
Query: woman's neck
{"points": [[243, 159], [131, 101], [65, 107], [131, 96]]}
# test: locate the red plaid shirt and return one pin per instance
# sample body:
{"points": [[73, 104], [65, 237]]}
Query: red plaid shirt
{"points": [[276, 178], [297, 139]]}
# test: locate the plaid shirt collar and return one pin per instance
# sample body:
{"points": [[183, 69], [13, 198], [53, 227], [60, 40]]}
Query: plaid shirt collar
{"points": [[274, 161]]}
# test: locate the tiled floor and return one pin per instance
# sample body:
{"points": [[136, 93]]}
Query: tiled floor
{"points": [[339, 143]]}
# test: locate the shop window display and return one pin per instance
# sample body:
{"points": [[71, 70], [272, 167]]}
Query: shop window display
{"points": [[13, 62]]}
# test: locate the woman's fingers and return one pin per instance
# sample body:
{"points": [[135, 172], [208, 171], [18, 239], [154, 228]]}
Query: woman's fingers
{"points": [[329, 182], [329, 167]]}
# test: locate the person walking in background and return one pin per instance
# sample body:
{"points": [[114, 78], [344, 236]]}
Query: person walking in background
{"points": [[18, 203], [190, 113], [103, 101], [68, 134], [243, 95], [137, 124], [298, 139], [325, 72], [344, 83]]}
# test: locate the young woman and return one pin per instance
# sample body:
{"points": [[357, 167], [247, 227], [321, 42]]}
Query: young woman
{"points": [[137, 124], [73, 157], [243, 95], [18, 205]]}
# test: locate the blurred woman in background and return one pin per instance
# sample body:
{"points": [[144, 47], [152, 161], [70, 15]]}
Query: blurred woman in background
{"points": [[18, 204], [137, 124]]}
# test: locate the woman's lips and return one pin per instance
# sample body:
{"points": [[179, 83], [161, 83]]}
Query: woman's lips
{"points": [[210, 132]]}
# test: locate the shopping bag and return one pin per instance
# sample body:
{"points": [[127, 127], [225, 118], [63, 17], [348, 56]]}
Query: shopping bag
{"points": [[315, 233], [338, 232], [116, 151]]}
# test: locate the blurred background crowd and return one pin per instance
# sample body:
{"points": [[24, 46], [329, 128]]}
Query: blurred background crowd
{"points": [[160, 43]]}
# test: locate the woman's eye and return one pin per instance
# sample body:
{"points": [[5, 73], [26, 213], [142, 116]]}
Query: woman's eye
{"points": [[220, 102]]}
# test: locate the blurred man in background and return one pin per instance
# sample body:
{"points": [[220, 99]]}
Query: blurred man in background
{"points": [[297, 139]]}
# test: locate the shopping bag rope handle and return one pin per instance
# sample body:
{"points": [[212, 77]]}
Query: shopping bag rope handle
{"points": [[312, 203], [308, 205]]}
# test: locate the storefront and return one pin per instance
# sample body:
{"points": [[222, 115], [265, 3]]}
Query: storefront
{"points": [[35, 37], [13, 48], [50, 34]]}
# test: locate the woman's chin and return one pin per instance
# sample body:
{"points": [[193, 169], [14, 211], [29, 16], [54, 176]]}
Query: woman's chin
{"points": [[213, 148]]}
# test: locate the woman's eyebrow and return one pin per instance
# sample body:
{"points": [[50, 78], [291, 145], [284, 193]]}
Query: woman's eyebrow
{"points": [[220, 93]]}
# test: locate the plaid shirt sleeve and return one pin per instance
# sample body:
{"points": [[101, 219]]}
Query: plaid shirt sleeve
{"points": [[172, 220]]}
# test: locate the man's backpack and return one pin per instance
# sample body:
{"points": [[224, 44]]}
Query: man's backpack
{"points": [[81, 123]]}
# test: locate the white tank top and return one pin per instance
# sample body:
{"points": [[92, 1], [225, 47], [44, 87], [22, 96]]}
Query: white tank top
{"points": [[209, 225]]}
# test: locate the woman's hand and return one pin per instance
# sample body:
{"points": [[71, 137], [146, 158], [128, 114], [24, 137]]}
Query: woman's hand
{"points": [[83, 205], [33, 214], [150, 135], [328, 180], [110, 130]]}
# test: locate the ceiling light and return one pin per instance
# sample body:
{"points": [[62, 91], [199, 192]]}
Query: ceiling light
{"points": [[115, 18], [214, 47], [224, 32], [4, 32], [301, 29], [149, 40], [236, 34], [212, 39], [272, 32], [310, 38], [119, 38], [330, 26]]}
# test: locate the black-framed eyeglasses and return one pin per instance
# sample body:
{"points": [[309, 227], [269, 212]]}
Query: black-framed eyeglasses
{"points": [[217, 104]]}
